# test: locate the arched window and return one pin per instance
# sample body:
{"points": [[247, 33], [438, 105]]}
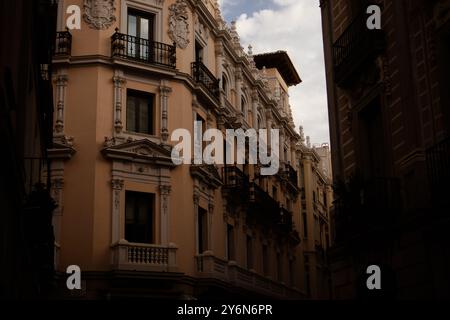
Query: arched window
{"points": [[225, 85], [243, 106]]}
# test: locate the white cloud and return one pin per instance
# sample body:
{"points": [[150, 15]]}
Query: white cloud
{"points": [[295, 26]]}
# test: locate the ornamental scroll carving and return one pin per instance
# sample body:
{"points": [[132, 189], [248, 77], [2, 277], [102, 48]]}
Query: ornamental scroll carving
{"points": [[99, 14], [179, 24]]}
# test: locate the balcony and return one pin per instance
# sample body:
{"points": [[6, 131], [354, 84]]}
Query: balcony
{"points": [[234, 178], [263, 206], [290, 176], [63, 45], [355, 48], [438, 167], [286, 223], [362, 205], [235, 186], [141, 50], [211, 267], [144, 257], [205, 78]]}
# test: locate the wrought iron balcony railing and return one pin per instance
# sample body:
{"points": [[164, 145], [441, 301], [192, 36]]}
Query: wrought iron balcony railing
{"points": [[233, 177], [143, 50], [292, 175], [263, 207], [202, 75], [286, 222], [355, 47], [63, 45]]}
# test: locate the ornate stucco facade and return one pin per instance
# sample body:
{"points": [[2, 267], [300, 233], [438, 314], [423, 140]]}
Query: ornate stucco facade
{"points": [[133, 73]]}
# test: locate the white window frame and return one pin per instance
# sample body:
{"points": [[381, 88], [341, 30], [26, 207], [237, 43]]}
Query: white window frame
{"points": [[154, 7]]}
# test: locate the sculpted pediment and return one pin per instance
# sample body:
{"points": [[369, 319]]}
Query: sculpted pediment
{"points": [[143, 151], [207, 174]]}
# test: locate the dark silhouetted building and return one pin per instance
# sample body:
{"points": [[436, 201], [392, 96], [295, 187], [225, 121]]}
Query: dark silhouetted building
{"points": [[27, 31], [389, 113]]}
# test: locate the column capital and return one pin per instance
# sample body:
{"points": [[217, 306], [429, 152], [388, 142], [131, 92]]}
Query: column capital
{"points": [[117, 184], [165, 189]]}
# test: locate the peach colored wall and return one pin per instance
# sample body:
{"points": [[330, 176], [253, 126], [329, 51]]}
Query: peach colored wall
{"points": [[86, 222]]}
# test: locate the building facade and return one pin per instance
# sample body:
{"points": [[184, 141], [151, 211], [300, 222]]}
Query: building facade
{"points": [[136, 224], [389, 117], [316, 200]]}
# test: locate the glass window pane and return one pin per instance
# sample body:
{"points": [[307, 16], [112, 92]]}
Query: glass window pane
{"points": [[132, 31], [139, 217], [144, 28], [131, 114], [132, 25], [144, 116], [140, 112]]}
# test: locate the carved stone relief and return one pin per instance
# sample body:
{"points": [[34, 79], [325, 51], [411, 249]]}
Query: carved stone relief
{"points": [[179, 24], [99, 14]]}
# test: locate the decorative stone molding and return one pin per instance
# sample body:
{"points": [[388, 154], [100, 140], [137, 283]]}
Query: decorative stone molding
{"points": [[165, 191], [57, 188], [165, 92], [99, 14], [119, 82], [220, 51], [179, 24], [117, 184], [140, 151], [61, 85], [207, 174], [117, 187], [201, 29]]}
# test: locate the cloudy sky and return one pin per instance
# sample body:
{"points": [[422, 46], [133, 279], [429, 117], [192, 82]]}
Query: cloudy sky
{"points": [[293, 26]]}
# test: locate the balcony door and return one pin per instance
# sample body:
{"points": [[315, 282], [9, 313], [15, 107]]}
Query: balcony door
{"points": [[140, 35]]}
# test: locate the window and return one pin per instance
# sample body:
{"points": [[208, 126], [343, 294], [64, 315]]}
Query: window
{"points": [[139, 213], [317, 229], [198, 52], [225, 85], [249, 252], [230, 243], [265, 258], [140, 26], [279, 267], [243, 106], [140, 112], [204, 128], [202, 230]]}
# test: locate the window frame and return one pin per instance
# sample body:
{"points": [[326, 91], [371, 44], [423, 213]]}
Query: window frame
{"points": [[136, 94], [151, 218]]}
